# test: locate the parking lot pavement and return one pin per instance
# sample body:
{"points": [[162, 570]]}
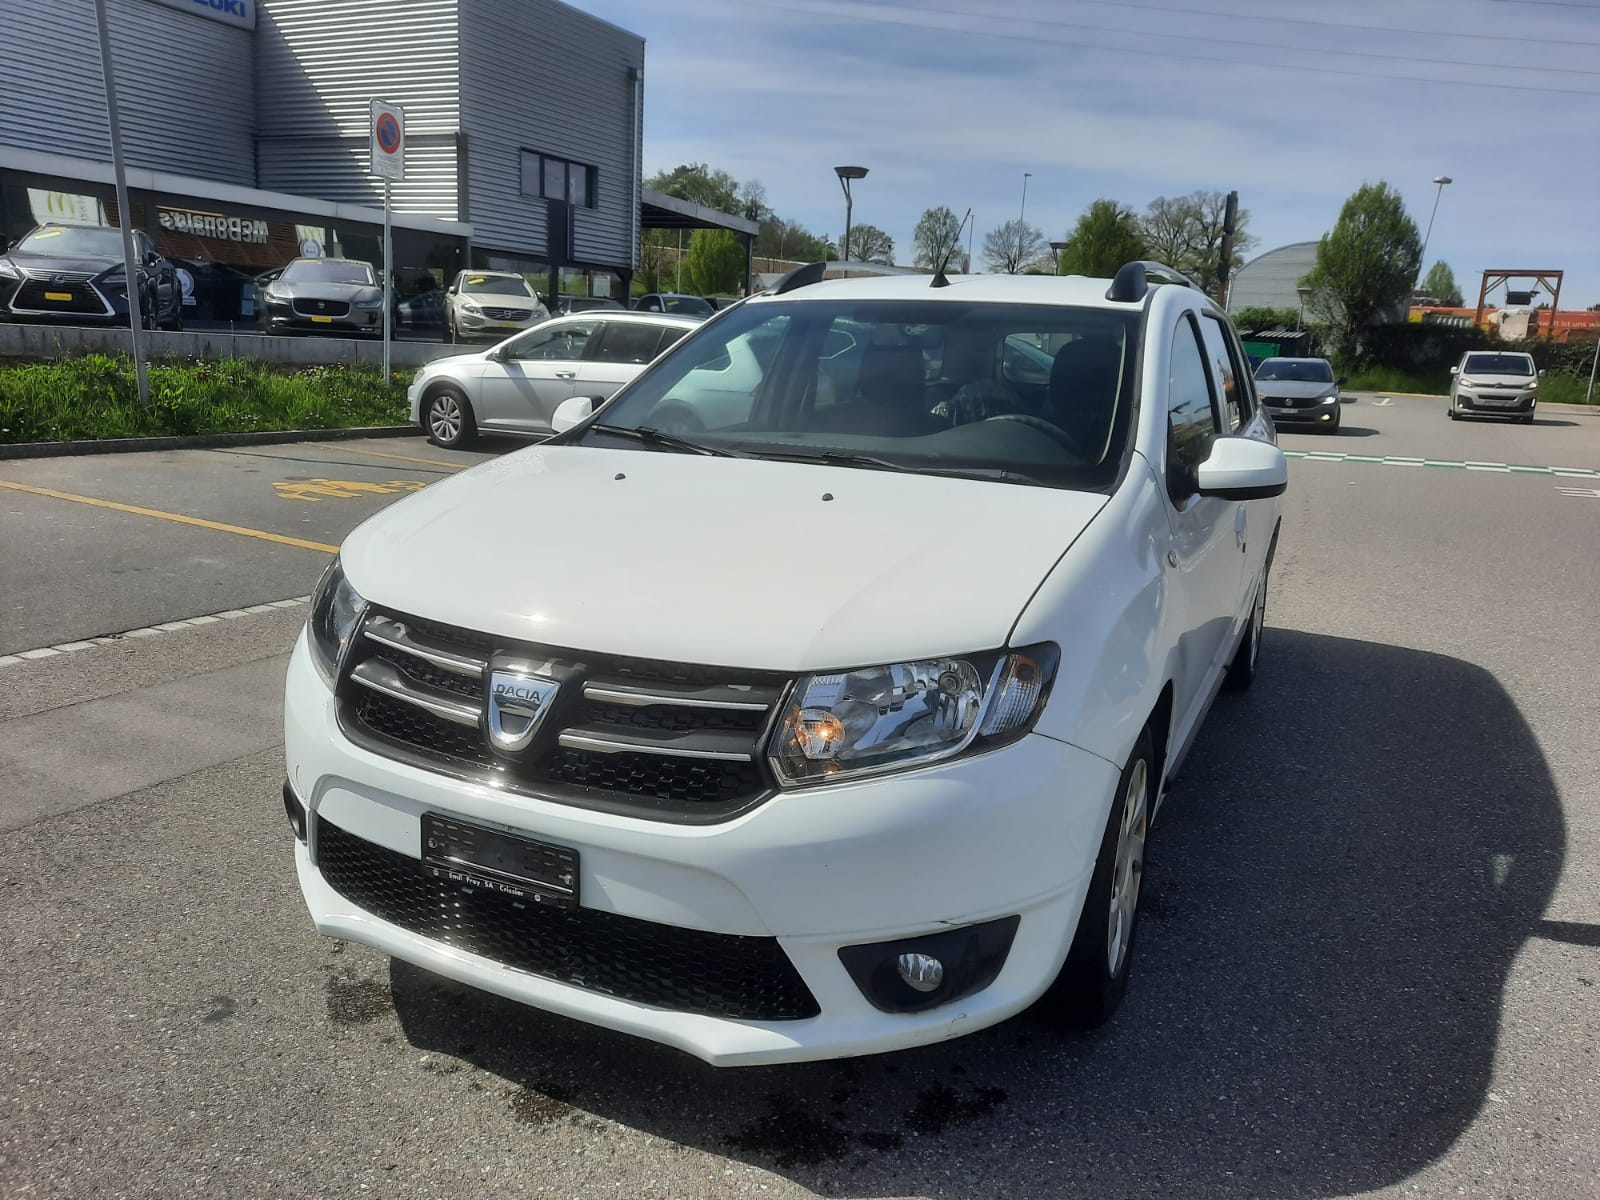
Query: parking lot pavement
{"points": [[101, 544], [1369, 962]]}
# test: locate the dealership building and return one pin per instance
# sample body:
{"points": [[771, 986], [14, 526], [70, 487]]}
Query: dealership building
{"points": [[245, 131]]}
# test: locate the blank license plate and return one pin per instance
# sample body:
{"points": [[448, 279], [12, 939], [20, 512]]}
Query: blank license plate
{"points": [[67, 296], [323, 320], [519, 867]]}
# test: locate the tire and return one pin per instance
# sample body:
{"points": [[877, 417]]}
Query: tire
{"points": [[1333, 430], [1454, 416], [1094, 977], [1242, 670], [1527, 420], [447, 419], [450, 334]]}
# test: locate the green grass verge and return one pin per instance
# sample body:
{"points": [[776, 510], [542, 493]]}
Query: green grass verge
{"points": [[1563, 389], [1553, 388], [94, 396]]}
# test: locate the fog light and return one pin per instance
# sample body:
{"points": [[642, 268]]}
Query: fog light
{"points": [[921, 972]]}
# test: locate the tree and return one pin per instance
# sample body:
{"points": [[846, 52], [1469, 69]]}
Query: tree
{"points": [[1255, 319], [1365, 264], [934, 237], [1013, 246], [868, 243], [699, 184], [1440, 284], [1186, 232], [715, 261], [1106, 236], [753, 201]]}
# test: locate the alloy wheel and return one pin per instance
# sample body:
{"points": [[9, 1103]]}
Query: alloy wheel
{"points": [[444, 418], [1127, 872]]}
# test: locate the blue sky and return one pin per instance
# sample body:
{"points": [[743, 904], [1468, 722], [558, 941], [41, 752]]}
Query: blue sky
{"points": [[951, 101]]}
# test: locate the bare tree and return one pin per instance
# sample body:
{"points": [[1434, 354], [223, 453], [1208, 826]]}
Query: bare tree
{"points": [[934, 237], [1186, 232], [1011, 247]]}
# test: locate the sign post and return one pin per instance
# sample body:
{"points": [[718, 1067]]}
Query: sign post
{"points": [[388, 129]]}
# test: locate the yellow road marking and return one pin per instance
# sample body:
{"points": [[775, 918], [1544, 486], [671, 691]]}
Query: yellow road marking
{"points": [[432, 462], [180, 518], [313, 490]]}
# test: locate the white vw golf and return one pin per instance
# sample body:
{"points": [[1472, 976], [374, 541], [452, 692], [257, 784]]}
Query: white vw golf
{"points": [[813, 696]]}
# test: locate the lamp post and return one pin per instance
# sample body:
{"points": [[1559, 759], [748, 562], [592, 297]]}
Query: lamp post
{"points": [[1058, 247], [846, 174], [1023, 211], [1422, 266], [1305, 293]]}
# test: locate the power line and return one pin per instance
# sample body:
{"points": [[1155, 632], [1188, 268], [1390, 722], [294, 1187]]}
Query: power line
{"points": [[916, 17]]}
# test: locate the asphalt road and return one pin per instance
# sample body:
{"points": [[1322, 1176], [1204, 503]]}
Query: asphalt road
{"points": [[1369, 963]]}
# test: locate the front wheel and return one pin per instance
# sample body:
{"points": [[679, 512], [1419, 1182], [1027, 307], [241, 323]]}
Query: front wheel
{"points": [[1094, 978], [447, 417]]}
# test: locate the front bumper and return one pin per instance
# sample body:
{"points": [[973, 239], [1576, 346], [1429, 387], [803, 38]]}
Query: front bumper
{"points": [[1491, 403], [1012, 833], [359, 322], [1322, 412], [81, 301], [470, 324]]}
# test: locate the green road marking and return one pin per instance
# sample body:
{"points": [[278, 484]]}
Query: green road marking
{"points": [[1449, 464]]}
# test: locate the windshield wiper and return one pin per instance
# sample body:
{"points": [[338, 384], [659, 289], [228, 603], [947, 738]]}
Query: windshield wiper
{"points": [[667, 441], [841, 458]]}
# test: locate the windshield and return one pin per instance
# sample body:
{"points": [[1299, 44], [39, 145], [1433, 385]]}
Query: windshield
{"points": [[688, 306], [497, 285], [1039, 392], [1498, 364], [1296, 370], [328, 270], [69, 240]]}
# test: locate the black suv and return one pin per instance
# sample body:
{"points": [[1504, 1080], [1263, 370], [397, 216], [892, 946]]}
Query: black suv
{"points": [[74, 274]]}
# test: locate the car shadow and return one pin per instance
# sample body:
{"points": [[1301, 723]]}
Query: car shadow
{"points": [[1339, 884], [1552, 421]]}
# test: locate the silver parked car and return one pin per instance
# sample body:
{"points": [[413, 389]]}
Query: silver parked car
{"points": [[1494, 383], [514, 387], [491, 304]]}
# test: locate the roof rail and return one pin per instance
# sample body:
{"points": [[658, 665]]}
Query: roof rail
{"points": [[1135, 278], [800, 277]]}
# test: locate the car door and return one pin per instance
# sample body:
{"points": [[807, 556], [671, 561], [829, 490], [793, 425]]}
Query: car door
{"points": [[1252, 520], [526, 377], [1206, 566], [618, 352]]}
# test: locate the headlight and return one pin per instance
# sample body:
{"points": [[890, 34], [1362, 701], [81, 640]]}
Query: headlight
{"points": [[7, 271], [469, 306], [370, 304], [336, 609], [909, 714], [1465, 382], [117, 278], [1534, 386]]}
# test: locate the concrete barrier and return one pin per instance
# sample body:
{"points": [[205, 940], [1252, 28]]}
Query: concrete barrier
{"points": [[56, 341]]}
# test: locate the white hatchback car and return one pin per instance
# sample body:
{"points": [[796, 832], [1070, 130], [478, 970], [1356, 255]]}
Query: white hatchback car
{"points": [[831, 721], [515, 387]]}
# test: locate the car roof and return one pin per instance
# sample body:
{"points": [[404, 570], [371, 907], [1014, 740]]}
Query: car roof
{"points": [[359, 262], [1291, 359], [1076, 290], [628, 316], [496, 274]]}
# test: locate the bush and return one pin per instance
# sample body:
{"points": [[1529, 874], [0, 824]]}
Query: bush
{"points": [[95, 396]]}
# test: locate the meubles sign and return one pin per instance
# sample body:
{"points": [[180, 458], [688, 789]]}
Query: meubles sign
{"points": [[241, 13]]}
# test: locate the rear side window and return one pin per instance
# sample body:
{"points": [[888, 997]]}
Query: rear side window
{"points": [[632, 342], [668, 336], [1225, 374], [1191, 413]]}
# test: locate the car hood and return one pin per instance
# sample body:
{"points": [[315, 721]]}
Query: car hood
{"points": [[61, 262], [1480, 379], [1291, 389], [719, 561], [308, 290], [490, 300]]}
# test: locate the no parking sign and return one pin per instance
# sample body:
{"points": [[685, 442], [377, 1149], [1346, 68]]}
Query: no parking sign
{"points": [[388, 126]]}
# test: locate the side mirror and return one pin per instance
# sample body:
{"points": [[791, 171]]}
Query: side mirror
{"points": [[1342, 380], [1243, 469], [1456, 370], [1542, 374], [574, 410]]}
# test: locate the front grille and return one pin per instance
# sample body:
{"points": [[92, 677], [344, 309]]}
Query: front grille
{"points": [[321, 308], [684, 970], [36, 294], [668, 741], [506, 314]]}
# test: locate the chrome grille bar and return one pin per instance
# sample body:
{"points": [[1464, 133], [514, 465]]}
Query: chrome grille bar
{"points": [[379, 676], [396, 636], [716, 747], [727, 698]]}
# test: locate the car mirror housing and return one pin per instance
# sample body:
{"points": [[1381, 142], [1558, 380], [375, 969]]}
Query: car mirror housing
{"points": [[1455, 370], [574, 410], [1242, 468], [1342, 380]]}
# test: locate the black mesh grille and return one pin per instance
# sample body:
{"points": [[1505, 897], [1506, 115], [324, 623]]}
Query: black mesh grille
{"points": [[408, 726], [424, 672], [36, 294], [667, 718], [685, 780], [685, 970]]}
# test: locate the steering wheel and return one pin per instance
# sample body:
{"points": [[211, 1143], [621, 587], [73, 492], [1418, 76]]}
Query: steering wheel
{"points": [[1055, 433], [677, 418]]}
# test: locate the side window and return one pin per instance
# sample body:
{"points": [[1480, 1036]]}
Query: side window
{"points": [[669, 336], [1191, 411], [1225, 373], [1243, 372], [632, 342], [563, 340]]}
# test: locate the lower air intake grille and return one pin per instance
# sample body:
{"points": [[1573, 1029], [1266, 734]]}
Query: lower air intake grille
{"points": [[684, 970]]}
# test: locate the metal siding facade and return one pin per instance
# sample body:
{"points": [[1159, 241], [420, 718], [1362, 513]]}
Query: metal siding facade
{"points": [[185, 86], [1272, 280], [320, 64], [540, 76]]}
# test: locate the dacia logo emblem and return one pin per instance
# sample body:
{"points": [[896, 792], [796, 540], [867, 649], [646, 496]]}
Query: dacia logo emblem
{"points": [[518, 705]]}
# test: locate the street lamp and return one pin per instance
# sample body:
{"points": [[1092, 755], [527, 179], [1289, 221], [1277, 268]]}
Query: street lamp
{"points": [[1058, 247], [1305, 294], [1441, 180], [846, 174], [1023, 211]]}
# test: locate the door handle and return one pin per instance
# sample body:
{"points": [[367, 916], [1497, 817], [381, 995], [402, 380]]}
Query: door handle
{"points": [[566, 374], [1240, 521]]}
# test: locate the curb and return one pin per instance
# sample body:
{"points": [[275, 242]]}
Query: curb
{"points": [[207, 441]]}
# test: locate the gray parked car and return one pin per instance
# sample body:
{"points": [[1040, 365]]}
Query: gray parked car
{"points": [[1301, 391], [323, 295]]}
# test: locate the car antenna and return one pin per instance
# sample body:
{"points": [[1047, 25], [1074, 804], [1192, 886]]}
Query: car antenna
{"points": [[939, 279]]}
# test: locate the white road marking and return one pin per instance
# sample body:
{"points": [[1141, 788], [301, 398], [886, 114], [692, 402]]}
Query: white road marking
{"points": [[7, 660], [1382, 402], [1580, 493]]}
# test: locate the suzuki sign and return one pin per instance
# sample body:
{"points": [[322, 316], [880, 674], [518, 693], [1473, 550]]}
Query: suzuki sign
{"points": [[239, 13]]}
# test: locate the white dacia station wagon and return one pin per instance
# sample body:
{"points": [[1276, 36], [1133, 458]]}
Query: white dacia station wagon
{"points": [[814, 695]]}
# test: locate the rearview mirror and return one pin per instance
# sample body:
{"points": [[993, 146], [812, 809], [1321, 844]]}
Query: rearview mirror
{"points": [[1342, 380], [574, 410], [1243, 469], [1455, 370]]}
